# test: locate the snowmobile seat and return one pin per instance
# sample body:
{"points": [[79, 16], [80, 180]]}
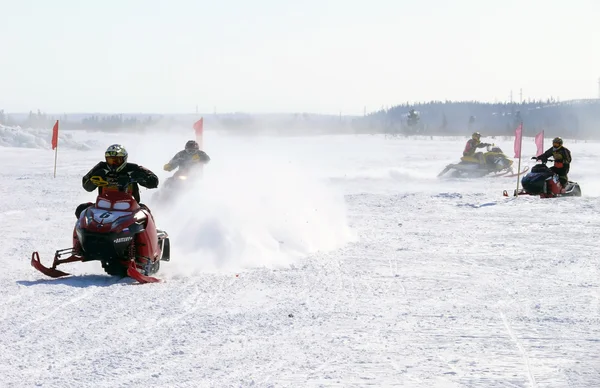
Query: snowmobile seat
{"points": [[535, 182], [469, 159]]}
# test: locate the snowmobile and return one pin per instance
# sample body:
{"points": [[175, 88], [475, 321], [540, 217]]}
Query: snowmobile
{"points": [[469, 167], [180, 182], [117, 232], [544, 182]]}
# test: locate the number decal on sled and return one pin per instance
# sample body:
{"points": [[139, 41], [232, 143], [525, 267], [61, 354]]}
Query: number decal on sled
{"points": [[105, 215]]}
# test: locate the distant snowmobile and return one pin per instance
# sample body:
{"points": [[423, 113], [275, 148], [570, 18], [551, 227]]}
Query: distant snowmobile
{"points": [[178, 184], [544, 182], [497, 163]]}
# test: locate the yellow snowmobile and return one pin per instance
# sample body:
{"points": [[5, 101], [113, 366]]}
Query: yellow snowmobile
{"points": [[496, 163]]}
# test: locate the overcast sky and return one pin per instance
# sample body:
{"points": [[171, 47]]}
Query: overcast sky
{"points": [[322, 56]]}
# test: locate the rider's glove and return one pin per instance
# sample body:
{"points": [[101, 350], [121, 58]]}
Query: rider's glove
{"points": [[167, 167]]}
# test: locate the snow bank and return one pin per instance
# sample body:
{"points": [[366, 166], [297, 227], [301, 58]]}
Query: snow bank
{"points": [[40, 138]]}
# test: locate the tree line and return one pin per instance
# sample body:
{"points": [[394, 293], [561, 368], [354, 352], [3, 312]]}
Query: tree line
{"points": [[579, 119]]}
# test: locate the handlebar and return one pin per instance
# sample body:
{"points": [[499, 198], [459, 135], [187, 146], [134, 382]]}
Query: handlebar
{"points": [[120, 182], [544, 161]]}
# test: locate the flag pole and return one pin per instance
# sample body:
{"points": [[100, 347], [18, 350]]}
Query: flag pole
{"points": [[55, 144], [55, 156], [520, 155]]}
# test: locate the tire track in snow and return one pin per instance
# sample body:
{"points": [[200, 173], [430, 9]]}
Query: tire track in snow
{"points": [[25, 341], [193, 304], [7, 303], [85, 295], [521, 349]]}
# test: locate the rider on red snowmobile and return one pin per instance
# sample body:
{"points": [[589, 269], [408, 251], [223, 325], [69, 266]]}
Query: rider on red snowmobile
{"points": [[472, 144], [115, 172], [562, 159], [189, 156]]}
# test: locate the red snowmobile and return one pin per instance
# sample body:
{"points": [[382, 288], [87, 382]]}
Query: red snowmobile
{"points": [[542, 181], [120, 234]]}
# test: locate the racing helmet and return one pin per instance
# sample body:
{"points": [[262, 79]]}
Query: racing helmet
{"points": [[476, 136], [116, 157], [557, 142], [191, 146]]}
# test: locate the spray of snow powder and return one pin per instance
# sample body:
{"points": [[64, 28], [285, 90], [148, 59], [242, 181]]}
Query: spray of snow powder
{"points": [[255, 206]]}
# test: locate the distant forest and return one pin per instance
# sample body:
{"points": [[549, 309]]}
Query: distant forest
{"points": [[580, 118], [575, 119]]}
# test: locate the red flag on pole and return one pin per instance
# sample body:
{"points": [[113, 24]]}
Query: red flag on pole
{"points": [[518, 139], [539, 142], [199, 129], [55, 135], [55, 144], [199, 126]]}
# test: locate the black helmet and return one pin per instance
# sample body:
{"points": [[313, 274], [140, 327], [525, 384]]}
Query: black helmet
{"points": [[191, 146], [557, 140]]}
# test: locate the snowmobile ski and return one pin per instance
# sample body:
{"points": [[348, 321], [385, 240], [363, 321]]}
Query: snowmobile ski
{"points": [[52, 271], [515, 174], [132, 272]]}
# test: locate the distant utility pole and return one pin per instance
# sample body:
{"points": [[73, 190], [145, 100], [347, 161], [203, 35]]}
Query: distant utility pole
{"points": [[511, 96], [599, 88], [196, 109], [521, 95], [365, 110]]}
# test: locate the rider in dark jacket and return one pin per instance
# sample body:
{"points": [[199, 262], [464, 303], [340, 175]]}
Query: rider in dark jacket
{"points": [[562, 160], [191, 155], [114, 172]]}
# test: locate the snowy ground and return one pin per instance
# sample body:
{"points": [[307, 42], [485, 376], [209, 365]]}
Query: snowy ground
{"points": [[322, 261]]}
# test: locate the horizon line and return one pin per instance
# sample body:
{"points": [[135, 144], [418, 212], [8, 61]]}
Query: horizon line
{"points": [[340, 113]]}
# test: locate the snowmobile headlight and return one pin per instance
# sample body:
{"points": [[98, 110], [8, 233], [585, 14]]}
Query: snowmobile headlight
{"points": [[182, 177]]}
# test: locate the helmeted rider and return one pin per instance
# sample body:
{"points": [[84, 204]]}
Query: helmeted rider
{"points": [[115, 171], [562, 159], [472, 144], [191, 155]]}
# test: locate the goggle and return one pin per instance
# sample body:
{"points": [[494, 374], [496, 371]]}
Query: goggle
{"points": [[556, 144], [115, 160], [190, 150]]}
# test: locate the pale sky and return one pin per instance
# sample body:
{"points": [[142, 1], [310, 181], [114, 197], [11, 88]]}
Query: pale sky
{"points": [[263, 56]]}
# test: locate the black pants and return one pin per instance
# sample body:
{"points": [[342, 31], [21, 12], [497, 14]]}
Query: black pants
{"points": [[562, 174], [85, 205]]}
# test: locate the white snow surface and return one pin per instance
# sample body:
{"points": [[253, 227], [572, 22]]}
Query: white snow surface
{"points": [[306, 261]]}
